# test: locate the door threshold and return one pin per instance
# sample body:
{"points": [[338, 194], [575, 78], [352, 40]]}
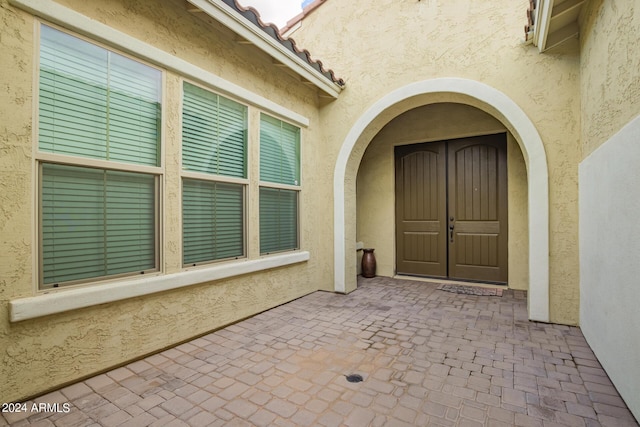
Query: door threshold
{"points": [[450, 281]]}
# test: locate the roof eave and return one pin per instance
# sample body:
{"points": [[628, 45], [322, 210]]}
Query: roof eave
{"points": [[541, 28], [554, 24], [230, 18]]}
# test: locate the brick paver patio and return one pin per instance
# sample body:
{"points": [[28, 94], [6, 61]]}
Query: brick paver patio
{"points": [[427, 358]]}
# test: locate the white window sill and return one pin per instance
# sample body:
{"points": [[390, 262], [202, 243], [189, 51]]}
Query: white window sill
{"points": [[71, 299]]}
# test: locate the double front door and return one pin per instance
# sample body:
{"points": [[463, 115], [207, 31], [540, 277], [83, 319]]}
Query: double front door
{"points": [[451, 209]]}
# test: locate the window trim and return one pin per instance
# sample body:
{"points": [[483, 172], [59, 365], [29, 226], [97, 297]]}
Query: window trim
{"points": [[280, 186], [62, 300], [42, 157], [63, 159]]}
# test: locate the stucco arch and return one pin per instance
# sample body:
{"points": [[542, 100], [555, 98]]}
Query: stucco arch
{"points": [[462, 91]]}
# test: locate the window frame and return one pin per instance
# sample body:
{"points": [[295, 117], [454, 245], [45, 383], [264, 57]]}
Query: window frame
{"points": [[215, 178], [40, 158], [195, 176], [279, 186], [61, 300]]}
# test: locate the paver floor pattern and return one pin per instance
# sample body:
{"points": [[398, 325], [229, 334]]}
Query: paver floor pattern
{"points": [[427, 358]]}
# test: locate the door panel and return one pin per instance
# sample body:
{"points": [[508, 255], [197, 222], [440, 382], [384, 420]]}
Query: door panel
{"points": [[477, 185], [451, 209], [421, 210]]}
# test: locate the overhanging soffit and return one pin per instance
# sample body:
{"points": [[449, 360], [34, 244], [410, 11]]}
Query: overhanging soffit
{"points": [[246, 23], [553, 25]]}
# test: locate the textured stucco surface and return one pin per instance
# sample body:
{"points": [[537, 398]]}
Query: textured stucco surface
{"points": [[375, 196], [43, 353], [609, 70], [16, 184], [378, 49], [609, 197], [388, 45]]}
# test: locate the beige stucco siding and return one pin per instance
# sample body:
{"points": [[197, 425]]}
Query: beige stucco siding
{"points": [[609, 196], [45, 352], [518, 208], [379, 50], [15, 153], [609, 70], [389, 45]]}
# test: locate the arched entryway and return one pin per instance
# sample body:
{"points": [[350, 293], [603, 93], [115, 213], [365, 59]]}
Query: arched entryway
{"points": [[462, 91]]}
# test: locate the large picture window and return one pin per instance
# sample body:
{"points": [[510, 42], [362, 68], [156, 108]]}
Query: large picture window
{"points": [[214, 163], [100, 221], [279, 185]]}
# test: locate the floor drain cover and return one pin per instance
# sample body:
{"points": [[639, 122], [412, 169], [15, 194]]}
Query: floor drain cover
{"points": [[354, 378]]}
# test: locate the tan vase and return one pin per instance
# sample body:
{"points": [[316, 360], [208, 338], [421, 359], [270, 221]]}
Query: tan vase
{"points": [[368, 263]]}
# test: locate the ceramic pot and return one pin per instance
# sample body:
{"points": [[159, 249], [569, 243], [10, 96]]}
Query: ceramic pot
{"points": [[368, 263]]}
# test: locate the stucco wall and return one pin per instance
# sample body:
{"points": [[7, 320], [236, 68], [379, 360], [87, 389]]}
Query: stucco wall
{"points": [[518, 207], [609, 70], [609, 249], [375, 183], [609, 197], [388, 45], [43, 353]]}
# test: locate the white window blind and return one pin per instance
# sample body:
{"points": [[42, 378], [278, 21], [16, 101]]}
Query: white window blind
{"points": [[213, 221], [279, 166], [213, 133], [96, 223], [214, 142], [279, 151], [278, 220], [94, 103]]}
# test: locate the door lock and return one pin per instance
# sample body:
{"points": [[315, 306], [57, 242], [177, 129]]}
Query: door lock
{"points": [[451, 227]]}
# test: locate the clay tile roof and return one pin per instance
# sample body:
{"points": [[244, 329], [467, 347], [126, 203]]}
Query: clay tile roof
{"points": [[529, 27], [253, 16]]}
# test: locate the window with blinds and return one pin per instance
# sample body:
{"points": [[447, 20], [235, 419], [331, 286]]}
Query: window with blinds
{"points": [[94, 103], [88, 219], [213, 221], [279, 186], [279, 151], [278, 220], [214, 163], [213, 133]]}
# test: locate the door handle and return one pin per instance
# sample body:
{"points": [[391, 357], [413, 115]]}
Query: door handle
{"points": [[451, 226]]}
